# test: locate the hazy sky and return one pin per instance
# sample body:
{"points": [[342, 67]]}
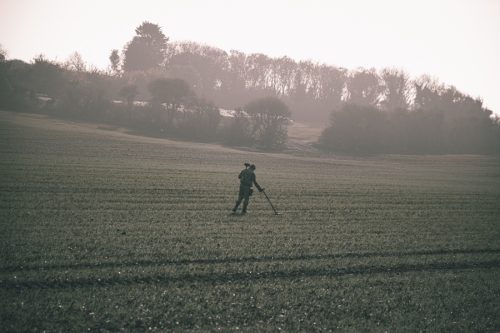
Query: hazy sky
{"points": [[456, 41]]}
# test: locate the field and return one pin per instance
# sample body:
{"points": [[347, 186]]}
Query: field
{"points": [[105, 231]]}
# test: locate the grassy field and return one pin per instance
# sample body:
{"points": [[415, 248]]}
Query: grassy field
{"points": [[105, 231]]}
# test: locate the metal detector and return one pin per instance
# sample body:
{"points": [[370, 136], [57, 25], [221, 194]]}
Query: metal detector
{"points": [[269, 200]]}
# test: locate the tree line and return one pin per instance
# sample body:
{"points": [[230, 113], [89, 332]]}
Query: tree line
{"points": [[145, 100], [366, 129], [370, 110]]}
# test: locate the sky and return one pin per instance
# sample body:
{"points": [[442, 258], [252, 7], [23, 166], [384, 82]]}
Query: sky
{"points": [[454, 41]]}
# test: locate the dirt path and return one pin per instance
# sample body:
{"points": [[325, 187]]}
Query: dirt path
{"points": [[301, 137]]}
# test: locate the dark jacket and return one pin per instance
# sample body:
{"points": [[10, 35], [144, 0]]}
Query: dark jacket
{"points": [[247, 178]]}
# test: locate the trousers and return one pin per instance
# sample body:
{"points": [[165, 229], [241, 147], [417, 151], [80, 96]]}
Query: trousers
{"points": [[243, 195]]}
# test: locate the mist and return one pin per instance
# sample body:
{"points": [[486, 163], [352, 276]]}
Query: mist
{"points": [[186, 90]]}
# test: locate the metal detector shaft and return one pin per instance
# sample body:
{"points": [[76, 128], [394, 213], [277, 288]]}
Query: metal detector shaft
{"points": [[269, 200]]}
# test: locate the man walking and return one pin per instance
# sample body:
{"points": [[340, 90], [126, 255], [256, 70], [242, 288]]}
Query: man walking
{"points": [[247, 179]]}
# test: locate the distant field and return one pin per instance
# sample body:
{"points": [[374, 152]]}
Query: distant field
{"points": [[105, 231]]}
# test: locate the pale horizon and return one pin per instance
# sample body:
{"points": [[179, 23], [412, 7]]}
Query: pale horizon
{"points": [[452, 41]]}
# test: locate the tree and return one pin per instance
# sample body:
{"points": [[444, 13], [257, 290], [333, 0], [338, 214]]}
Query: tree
{"points": [[269, 117], [174, 92], [427, 93], [147, 49], [114, 59], [129, 92], [395, 82], [200, 122], [364, 88], [6, 86], [3, 54], [45, 76], [355, 128], [238, 130], [76, 63]]}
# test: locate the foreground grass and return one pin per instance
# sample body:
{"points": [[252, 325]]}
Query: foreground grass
{"points": [[103, 231]]}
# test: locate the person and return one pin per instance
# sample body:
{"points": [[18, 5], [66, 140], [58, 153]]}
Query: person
{"points": [[247, 179]]}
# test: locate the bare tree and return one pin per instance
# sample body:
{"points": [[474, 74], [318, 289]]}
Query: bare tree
{"points": [[75, 63], [396, 86], [364, 87]]}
